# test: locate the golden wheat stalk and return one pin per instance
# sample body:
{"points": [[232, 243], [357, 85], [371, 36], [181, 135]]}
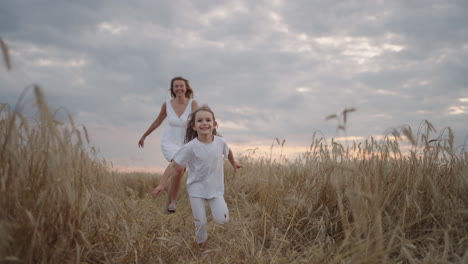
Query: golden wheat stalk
{"points": [[6, 54]]}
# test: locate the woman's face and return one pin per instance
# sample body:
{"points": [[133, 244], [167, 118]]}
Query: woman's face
{"points": [[178, 88]]}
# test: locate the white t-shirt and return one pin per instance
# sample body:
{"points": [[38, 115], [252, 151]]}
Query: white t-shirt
{"points": [[205, 166]]}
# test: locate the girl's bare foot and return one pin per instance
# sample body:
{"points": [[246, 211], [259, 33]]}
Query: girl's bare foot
{"points": [[203, 250]]}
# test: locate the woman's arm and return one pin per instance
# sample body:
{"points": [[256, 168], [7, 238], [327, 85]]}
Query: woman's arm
{"points": [[162, 115], [194, 105]]}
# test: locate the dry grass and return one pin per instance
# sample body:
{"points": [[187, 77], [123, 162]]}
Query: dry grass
{"points": [[371, 202], [367, 203]]}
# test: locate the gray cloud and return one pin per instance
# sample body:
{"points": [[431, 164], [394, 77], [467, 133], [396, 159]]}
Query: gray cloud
{"points": [[268, 68]]}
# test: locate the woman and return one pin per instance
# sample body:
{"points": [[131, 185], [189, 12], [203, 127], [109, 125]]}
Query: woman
{"points": [[177, 111]]}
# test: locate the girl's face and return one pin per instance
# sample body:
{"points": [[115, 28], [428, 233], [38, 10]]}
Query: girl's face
{"points": [[204, 123], [178, 87]]}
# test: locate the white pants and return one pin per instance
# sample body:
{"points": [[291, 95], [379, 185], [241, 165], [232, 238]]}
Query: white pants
{"points": [[219, 211]]}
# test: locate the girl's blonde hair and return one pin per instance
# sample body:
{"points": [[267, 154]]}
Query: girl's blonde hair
{"points": [[190, 133]]}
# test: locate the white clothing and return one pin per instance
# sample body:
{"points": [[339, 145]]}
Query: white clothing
{"points": [[173, 136], [219, 211], [206, 166]]}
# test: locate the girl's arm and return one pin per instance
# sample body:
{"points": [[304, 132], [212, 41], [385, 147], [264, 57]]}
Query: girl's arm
{"points": [[162, 115], [233, 162], [168, 172]]}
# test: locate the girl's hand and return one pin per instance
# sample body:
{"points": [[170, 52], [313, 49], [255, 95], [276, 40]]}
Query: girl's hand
{"points": [[157, 191], [236, 166], [141, 143]]}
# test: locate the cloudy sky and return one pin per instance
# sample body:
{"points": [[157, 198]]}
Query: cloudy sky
{"points": [[269, 69]]}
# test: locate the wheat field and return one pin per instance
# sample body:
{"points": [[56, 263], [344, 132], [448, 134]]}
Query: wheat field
{"points": [[363, 203], [370, 202]]}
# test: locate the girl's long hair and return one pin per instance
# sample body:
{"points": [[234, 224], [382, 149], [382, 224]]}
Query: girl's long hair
{"points": [[189, 91], [190, 133]]}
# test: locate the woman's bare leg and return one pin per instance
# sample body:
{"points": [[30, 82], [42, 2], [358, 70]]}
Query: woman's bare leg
{"points": [[174, 189]]}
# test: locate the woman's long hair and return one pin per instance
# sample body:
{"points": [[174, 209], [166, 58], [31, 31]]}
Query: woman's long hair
{"points": [[190, 133]]}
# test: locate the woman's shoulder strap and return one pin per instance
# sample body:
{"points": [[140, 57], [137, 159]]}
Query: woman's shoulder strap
{"points": [[169, 108]]}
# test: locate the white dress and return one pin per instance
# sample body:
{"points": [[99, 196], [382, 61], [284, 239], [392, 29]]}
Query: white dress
{"points": [[174, 135]]}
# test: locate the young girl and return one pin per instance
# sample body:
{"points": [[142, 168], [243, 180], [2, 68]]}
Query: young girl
{"points": [[177, 111], [203, 153]]}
